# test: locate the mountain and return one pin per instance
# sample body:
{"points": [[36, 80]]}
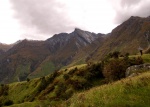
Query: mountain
{"points": [[38, 58], [31, 59], [5, 47], [126, 38]]}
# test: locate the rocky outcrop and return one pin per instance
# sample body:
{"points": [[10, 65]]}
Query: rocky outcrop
{"points": [[137, 69]]}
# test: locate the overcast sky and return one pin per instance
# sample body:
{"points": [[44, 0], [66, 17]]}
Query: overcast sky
{"points": [[41, 19]]}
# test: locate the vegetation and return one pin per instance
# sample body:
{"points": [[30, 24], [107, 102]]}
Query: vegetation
{"points": [[130, 92], [62, 84], [65, 80]]}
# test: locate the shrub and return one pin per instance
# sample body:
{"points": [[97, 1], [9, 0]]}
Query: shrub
{"points": [[78, 84], [95, 71], [115, 69], [72, 71], [61, 88], [68, 93], [42, 85], [28, 79], [8, 102], [4, 89], [115, 54], [66, 76], [135, 61]]}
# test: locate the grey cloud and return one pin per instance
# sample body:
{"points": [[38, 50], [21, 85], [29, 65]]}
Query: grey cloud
{"points": [[46, 16], [127, 8], [128, 3]]}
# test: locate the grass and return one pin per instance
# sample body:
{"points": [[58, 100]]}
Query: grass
{"points": [[76, 66], [51, 89], [29, 104], [130, 92], [22, 71], [145, 57], [56, 88], [20, 91], [45, 69]]}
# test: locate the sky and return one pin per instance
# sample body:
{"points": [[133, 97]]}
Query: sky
{"points": [[41, 19]]}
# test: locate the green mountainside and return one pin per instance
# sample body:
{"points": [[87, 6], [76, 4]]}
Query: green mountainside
{"points": [[89, 83]]}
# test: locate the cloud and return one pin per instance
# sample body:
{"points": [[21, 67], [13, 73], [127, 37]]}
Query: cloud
{"points": [[44, 16], [127, 8]]}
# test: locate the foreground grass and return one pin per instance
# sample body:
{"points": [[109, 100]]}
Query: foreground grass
{"points": [[130, 92]]}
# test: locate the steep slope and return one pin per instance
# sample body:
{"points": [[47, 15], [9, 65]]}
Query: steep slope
{"points": [[39, 58], [132, 92], [127, 37], [70, 48], [75, 85], [1, 52], [22, 59], [5, 47]]}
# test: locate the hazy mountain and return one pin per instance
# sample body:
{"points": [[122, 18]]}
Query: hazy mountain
{"points": [[39, 58], [5, 47]]}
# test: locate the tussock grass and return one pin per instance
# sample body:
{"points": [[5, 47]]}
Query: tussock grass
{"points": [[130, 92]]}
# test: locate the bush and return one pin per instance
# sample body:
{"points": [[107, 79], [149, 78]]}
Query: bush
{"points": [[136, 61], [115, 69], [4, 89], [28, 79], [61, 88], [72, 71], [95, 71], [68, 93], [8, 103], [78, 84], [66, 76]]}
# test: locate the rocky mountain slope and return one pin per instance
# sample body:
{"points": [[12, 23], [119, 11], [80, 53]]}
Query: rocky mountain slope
{"points": [[126, 38], [39, 58], [5, 47], [30, 59]]}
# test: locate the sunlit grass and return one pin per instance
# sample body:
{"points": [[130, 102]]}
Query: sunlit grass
{"points": [[130, 92]]}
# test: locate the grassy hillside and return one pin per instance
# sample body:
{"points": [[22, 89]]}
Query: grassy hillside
{"points": [[56, 87], [130, 92], [64, 84]]}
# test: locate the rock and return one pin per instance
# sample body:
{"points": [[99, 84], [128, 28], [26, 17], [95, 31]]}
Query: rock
{"points": [[136, 69]]}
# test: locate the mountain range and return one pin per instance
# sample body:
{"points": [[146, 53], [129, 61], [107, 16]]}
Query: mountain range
{"points": [[31, 59]]}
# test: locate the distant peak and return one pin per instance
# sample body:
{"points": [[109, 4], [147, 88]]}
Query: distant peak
{"points": [[77, 29], [134, 17], [148, 17]]}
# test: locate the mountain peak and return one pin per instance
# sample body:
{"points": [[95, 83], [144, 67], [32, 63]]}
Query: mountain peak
{"points": [[77, 29]]}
